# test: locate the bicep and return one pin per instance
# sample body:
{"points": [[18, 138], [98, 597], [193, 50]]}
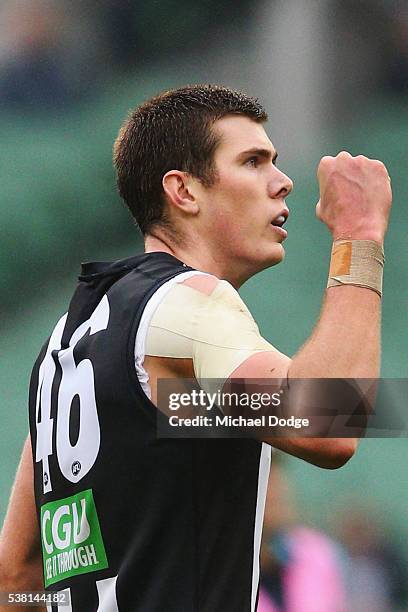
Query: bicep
{"points": [[271, 368]]}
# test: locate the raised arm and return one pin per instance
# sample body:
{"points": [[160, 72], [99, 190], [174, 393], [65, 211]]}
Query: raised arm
{"points": [[355, 201]]}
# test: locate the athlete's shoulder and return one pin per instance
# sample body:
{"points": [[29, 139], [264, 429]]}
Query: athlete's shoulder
{"points": [[204, 283], [217, 291]]}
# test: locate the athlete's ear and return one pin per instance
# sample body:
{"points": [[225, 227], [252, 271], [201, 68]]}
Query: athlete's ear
{"points": [[181, 191]]}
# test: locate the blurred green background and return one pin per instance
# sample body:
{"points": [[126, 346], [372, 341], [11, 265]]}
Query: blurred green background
{"points": [[330, 82]]}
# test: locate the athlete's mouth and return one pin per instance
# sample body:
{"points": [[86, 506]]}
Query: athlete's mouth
{"points": [[281, 218]]}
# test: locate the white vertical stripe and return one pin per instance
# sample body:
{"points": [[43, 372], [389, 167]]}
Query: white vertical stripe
{"points": [[263, 476], [107, 595]]}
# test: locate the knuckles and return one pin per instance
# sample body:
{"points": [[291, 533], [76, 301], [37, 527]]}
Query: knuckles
{"points": [[344, 155], [344, 162], [354, 191], [325, 165]]}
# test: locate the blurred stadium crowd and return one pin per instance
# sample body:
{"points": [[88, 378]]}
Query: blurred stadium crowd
{"points": [[360, 566], [68, 74], [53, 53]]}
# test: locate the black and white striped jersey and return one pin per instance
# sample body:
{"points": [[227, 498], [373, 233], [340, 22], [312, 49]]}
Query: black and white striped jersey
{"points": [[130, 522]]}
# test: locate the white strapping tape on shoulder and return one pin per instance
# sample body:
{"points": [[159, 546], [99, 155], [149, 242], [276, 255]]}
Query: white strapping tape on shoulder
{"points": [[150, 308], [216, 331]]}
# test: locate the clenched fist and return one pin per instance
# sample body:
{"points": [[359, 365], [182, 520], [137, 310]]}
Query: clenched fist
{"points": [[355, 197]]}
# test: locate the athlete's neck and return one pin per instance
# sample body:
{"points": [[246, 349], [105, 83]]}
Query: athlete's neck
{"points": [[198, 257]]}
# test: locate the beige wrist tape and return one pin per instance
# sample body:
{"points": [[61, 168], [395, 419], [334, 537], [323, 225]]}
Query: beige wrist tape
{"points": [[357, 262]]}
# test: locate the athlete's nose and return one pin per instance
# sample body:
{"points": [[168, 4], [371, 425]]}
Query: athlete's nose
{"points": [[280, 186]]}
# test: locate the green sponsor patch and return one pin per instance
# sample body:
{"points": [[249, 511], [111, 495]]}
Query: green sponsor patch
{"points": [[71, 538]]}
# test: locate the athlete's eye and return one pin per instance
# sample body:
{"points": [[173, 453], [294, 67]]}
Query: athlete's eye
{"points": [[252, 161]]}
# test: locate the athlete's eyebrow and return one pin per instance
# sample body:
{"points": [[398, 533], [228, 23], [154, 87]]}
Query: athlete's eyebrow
{"points": [[265, 153]]}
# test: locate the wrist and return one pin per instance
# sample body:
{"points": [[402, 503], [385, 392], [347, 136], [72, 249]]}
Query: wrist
{"points": [[373, 235], [357, 262]]}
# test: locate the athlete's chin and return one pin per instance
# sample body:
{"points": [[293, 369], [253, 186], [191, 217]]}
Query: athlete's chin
{"points": [[265, 256], [269, 258], [275, 256], [254, 265]]}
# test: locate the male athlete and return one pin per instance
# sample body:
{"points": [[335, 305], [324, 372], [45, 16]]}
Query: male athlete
{"points": [[126, 521]]}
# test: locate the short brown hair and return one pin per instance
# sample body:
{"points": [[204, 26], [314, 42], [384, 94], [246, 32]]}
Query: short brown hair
{"points": [[172, 131]]}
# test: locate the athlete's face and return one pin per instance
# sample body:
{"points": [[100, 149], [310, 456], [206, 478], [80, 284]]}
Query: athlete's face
{"points": [[247, 198]]}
